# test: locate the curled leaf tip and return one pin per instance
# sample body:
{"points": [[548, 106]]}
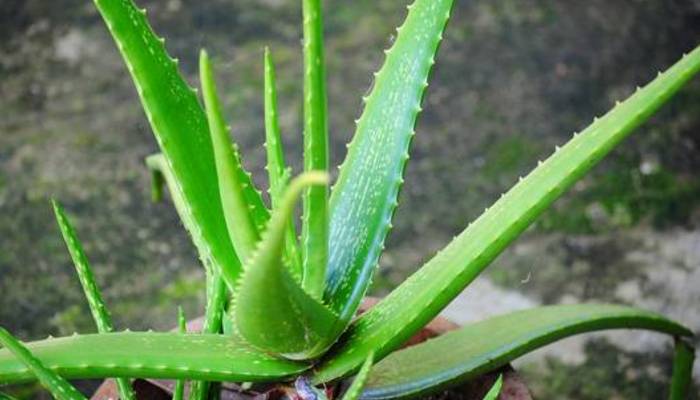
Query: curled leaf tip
{"points": [[311, 178], [292, 323]]}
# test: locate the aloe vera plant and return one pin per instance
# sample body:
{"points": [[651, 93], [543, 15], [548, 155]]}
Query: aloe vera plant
{"points": [[282, 307]]}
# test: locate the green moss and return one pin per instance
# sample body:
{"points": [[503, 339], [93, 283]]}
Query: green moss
{"points": [[625, 195], [608, 373]]}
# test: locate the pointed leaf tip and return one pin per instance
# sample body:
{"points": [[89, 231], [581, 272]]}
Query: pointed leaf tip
{"points": [[495, 389], [237, 212], [180, 126], [414, 302], [99, 311], [359, 223], [278, 172], [83, 269]]}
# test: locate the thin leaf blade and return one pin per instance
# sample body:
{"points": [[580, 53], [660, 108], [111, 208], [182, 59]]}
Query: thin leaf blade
{"points": [[315, 222], [237, 213], [358, 383], [365, 196], [213, 324], [495, 389], [458, 356], [682, 378], [57, 385], [414, 302], [179, 390], [98, 309], [277, 169]]}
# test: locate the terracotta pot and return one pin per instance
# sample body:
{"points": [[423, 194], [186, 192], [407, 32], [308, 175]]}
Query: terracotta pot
{"points": [[514, 387]]}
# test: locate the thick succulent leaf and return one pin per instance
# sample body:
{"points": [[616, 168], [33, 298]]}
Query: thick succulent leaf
{"points": [[180, 126], [682, 370], [315, 222], [458, 356], [365, 195], [99, 311], [358, 383], [424, 294], [271, 310], [58, 386], [4, 396], [151, 355], [495, 389], [277, 170], [241, 227]]}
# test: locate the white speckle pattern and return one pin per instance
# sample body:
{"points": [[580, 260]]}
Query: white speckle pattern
{"points": [[365, 195], [415, 302]]}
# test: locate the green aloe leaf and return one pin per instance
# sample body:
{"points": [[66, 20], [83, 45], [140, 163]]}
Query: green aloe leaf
{"points": [[179, 390], [213, 324], [377, 156], [358, 383], [682, 370], [54, 383], [180, 127], [151, 355], [424, 294], [495, 389], [157, 179], [161, 172], [239, 219], [216, 288], [276, 167], [271, 310], [458, 356], [99, 311], [87, 280], [278, 173], [315, 222]]}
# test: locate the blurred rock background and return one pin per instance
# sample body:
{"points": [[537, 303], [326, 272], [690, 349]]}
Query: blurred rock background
{"points": [[514, 78]]}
